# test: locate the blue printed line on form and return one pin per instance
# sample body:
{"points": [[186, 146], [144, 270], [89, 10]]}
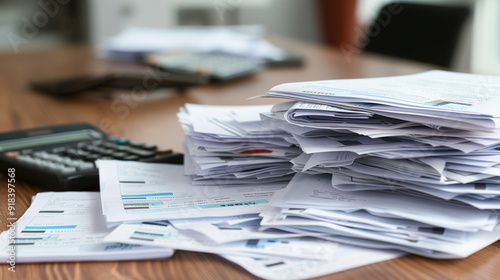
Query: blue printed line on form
{"points": [[50, 227], [146, 194]]}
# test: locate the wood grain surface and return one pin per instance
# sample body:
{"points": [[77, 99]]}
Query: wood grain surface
{"points": [[152, 118]]}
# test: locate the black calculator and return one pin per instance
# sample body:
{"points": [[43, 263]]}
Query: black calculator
{"points": [[63, 157]]}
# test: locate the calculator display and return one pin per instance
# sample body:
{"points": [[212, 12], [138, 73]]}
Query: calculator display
{"points": [[50, 139]]}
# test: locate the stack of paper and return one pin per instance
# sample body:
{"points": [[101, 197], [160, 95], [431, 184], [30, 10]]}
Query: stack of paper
{"points": [[231, 145], [240, 40], [433, 98], [412, 161], [419, 225], [154, 204]]}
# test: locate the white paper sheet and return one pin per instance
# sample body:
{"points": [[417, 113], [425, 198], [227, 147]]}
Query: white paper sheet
{"points": [[437, 95], [164, 235], [229, 229], [138, 191], [345, 257], [68, 226]]}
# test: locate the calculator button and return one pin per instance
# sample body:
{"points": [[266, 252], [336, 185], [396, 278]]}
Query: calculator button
{"points": [[91, 157], [75, 163], [86, 166], [121, 141], [136, 144], [73, 153], [150, 147], [23, 158], [55, 158], [51, 157], [99, 150], [37, 161], [143, 146], [111, 145], [68, 169], [87, 148], [131, 157], [81, 165], [30, 160], [106, 158], [122, 148], [83, 156], [142, 153], [52, 166], [107, 152], [119, 155], [41, 154], [12, 154], [65, 161]]}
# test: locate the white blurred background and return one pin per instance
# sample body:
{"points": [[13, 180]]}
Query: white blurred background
{"points": [[27, 25]]}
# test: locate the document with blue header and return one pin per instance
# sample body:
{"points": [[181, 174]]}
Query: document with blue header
{"points": [[138, 191], [67, 226]]}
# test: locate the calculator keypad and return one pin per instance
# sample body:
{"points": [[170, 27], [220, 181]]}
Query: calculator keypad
{"points": [[63, 157], [82, 156]]}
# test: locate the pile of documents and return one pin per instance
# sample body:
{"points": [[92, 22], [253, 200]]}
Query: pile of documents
{"points": [[242, 40], [407, 162], [156, 205], [227, 145]]}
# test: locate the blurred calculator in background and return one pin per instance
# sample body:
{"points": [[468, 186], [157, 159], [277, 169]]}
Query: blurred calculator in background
{"points": [[217, 66], [63, 157]]}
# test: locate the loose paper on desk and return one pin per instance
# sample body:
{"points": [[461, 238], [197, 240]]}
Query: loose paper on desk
{"points": [[163, 234], [138, 191], [271, 258], [68, 226], [229, 229], [345, 257]]}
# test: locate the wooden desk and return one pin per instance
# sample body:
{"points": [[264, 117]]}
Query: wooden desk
{"points": [[152, 119]]}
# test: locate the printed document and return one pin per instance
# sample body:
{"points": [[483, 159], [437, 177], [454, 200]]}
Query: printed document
{"points": [[163, 234], [68, 226], [345, 257], [139, 191]]}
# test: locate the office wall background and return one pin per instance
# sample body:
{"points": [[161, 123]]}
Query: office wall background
{"points": [[94, 20]]}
